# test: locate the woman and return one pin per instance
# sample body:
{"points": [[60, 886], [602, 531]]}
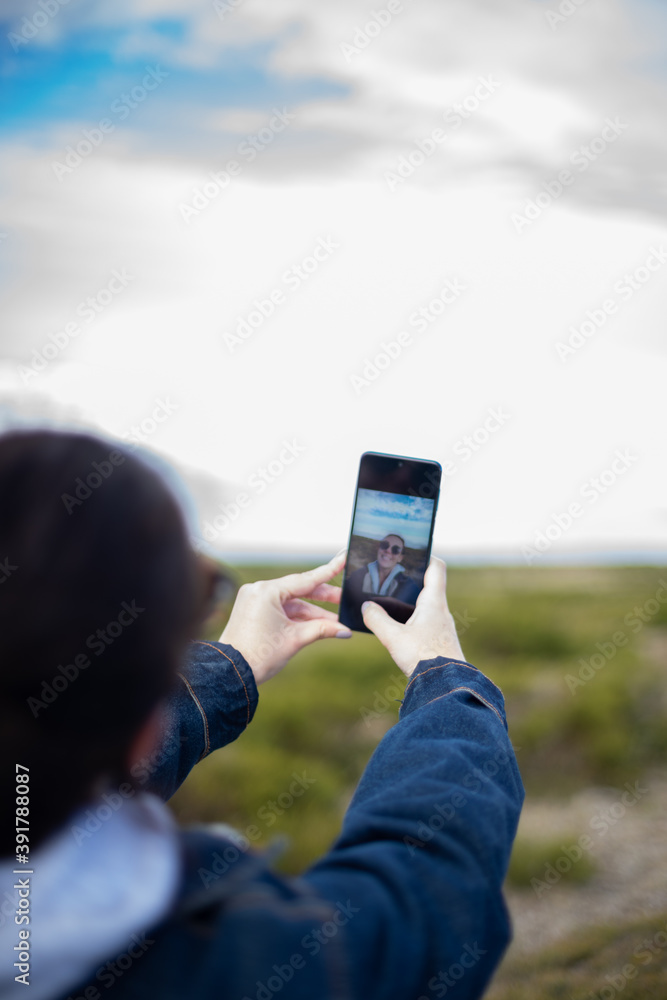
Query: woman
{"points": [[386, 576], [386, 579], [106, 703]]}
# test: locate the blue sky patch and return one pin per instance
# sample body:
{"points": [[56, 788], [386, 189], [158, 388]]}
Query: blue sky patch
{"points": [[78, 80]]}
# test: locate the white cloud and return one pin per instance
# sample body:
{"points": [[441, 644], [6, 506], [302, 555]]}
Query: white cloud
{"points": [[557, 86], [291, 379]]}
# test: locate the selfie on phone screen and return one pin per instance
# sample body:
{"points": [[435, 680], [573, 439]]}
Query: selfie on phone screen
{"points": [[390, 540]]}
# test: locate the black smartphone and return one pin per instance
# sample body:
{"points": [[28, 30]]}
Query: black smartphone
{"points": [[391, 535]]}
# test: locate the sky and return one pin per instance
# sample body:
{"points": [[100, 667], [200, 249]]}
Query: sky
{"points": [[378, 514], [258, 238]]}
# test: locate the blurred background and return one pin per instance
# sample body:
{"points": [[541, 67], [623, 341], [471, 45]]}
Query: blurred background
{"points": [[256, 238]]}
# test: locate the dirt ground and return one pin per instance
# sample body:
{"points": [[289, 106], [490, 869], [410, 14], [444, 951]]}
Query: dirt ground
{"points": [[629, 850]]}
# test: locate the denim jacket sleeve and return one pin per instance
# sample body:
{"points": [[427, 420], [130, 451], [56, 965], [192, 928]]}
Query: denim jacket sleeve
{"points": [[213, 701], [426, 842]]}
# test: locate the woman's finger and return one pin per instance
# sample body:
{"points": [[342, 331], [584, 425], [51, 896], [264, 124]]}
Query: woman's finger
{"points": [[326, 592], [318, 628], [303, 584], [435, 585], [302, 611]]}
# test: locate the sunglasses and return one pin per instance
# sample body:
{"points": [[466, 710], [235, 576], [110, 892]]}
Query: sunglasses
{"points": [[218, 587], [396, 549]]}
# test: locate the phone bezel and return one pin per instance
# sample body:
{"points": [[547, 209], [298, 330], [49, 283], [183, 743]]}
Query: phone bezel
{"points": [[426, 465]]}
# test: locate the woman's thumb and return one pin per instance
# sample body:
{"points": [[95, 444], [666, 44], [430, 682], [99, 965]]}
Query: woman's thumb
{"points": [[378, 621]]}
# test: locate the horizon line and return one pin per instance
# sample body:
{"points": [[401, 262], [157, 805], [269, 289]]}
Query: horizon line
{"points": [[592, 557]]}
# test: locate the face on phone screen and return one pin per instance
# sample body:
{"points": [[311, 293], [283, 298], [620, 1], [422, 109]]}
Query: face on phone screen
{"points": [[390, 541]]}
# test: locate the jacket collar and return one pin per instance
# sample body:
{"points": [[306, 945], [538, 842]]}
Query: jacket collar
{"points": [[113, 871]]}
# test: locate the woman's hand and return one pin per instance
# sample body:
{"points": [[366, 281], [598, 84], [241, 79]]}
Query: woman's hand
{"points": [[429, 632], [270, 621]]}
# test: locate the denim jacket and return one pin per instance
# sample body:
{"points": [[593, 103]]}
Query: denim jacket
{"points": [[406, 905]]}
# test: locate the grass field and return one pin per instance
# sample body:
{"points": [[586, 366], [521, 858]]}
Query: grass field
{"points": [[580, 655]]}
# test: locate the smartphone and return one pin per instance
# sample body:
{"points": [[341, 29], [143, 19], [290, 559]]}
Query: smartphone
{"points": [[391, 535]]}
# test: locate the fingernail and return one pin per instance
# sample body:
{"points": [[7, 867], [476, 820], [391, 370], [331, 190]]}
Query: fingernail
{"points": [[365, 605], [344, 634]]}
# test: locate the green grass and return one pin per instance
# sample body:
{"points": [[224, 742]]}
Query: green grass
{"points": [[599, 964], [534, 859]]}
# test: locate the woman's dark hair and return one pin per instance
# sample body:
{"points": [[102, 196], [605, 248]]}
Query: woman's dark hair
{"points": [[99, 593]]}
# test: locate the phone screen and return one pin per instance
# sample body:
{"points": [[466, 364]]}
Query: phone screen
{"points": [[391, 536]]}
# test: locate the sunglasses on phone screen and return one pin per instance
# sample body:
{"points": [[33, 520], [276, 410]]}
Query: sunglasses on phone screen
{"points": [[396, 549]]}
